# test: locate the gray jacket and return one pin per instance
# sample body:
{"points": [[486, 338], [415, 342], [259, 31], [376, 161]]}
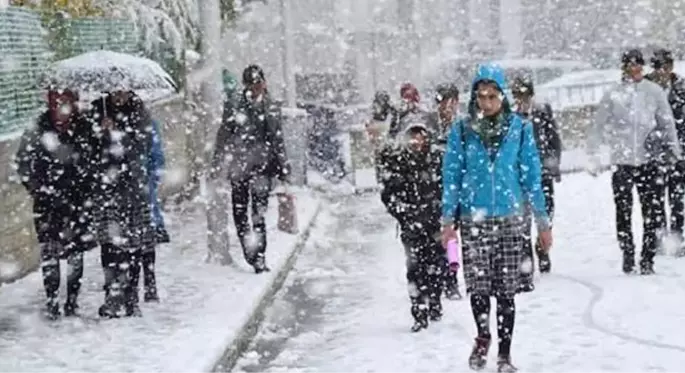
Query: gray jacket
{"points": [[636, 122]]}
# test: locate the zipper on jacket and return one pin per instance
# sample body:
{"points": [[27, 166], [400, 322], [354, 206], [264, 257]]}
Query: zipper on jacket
{"points": [[491, 165]]}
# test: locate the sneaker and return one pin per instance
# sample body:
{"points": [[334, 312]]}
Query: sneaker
{"points": [[419, 325], [504, 365], [260, 265], [479, 355]]}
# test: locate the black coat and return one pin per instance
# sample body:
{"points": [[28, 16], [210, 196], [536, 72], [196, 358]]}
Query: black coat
{"points": [[123, 208], [412, 189], [676, 98], [57, 170], [547, 138], [249, 141]]}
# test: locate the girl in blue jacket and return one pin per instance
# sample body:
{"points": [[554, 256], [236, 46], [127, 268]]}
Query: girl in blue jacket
{"points": [[491, 170]]}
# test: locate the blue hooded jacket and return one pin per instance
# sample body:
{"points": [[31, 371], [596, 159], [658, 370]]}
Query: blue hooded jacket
{"points": [[155, 165], [483, 187]]}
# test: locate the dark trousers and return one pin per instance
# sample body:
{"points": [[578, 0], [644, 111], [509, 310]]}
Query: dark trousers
{"points": [[675, 191], [650, 188], [50, 267], [252, 191], [506, 315], [548, 191], [425, 272], [144, 262]]}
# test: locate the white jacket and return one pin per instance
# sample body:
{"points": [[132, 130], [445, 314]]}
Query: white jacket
{"points": [[626, 116]]}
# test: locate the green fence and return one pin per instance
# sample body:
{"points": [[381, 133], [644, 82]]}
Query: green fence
{"points": [[27, 47], [23, 52]]}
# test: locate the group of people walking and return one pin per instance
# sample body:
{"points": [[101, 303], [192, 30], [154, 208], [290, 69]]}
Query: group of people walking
{"points": [[93, 176], [485, 177]]}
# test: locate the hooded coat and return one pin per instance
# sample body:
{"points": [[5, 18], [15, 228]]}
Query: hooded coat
{"points": [[485, 181], [57, 170], [123, 198]]}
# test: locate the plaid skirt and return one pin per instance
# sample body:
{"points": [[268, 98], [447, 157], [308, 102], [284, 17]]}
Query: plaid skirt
{"points": [[125, 220], [492, 255]]}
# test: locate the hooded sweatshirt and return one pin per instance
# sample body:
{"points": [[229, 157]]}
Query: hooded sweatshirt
{"points": [[488, 173]]}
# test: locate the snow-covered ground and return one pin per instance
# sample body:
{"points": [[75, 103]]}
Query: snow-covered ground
{"points": [[202, 308], [345, 307]]}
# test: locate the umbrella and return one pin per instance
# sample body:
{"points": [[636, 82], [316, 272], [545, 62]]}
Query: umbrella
{"points": [[106, 71]]}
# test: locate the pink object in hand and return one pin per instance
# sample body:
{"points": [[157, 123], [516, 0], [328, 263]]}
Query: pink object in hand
{"points": [[453, 254]]}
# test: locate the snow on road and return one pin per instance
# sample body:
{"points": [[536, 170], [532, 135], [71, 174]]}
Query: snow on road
{"points": [[346, 306]]}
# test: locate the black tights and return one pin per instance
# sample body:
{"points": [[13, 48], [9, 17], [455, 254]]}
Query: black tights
{"points": [[506, 311]]}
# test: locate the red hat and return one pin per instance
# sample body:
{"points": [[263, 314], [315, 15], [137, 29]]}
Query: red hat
{"points": [[409, 92]]}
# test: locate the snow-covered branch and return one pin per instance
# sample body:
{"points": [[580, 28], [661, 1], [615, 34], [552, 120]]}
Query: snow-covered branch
{"points": [[161, 22]]}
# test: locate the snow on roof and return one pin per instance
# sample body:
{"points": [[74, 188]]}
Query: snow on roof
{"points": [[589, 77], [533, 63]]}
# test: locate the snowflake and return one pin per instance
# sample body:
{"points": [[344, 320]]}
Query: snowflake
{"points": [[50, 141]]}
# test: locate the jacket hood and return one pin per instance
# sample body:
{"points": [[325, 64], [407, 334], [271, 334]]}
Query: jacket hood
{"points": [[494, 73]]}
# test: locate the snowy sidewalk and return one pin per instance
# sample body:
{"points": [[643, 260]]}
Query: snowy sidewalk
{"points": [[203, 307], [345, 305]]}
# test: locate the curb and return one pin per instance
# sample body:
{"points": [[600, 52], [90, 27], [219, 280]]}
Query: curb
{"points": [[249, 329]]}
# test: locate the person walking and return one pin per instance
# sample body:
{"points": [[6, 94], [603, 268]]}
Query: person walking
{"points": [[250, 148], [145, 260], [635, 120], [674, 86], [491, 170], [55, 163], [124, 219], [447, 99], [549, 147], [411, 191]]}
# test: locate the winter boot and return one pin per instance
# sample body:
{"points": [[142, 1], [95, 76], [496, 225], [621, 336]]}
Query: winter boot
{"points": [[479, 354], [51, 311], [115, 302], [260, 265], [646, 267], [435, 311], [71, 306], [418, 311], [504, 365]]}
